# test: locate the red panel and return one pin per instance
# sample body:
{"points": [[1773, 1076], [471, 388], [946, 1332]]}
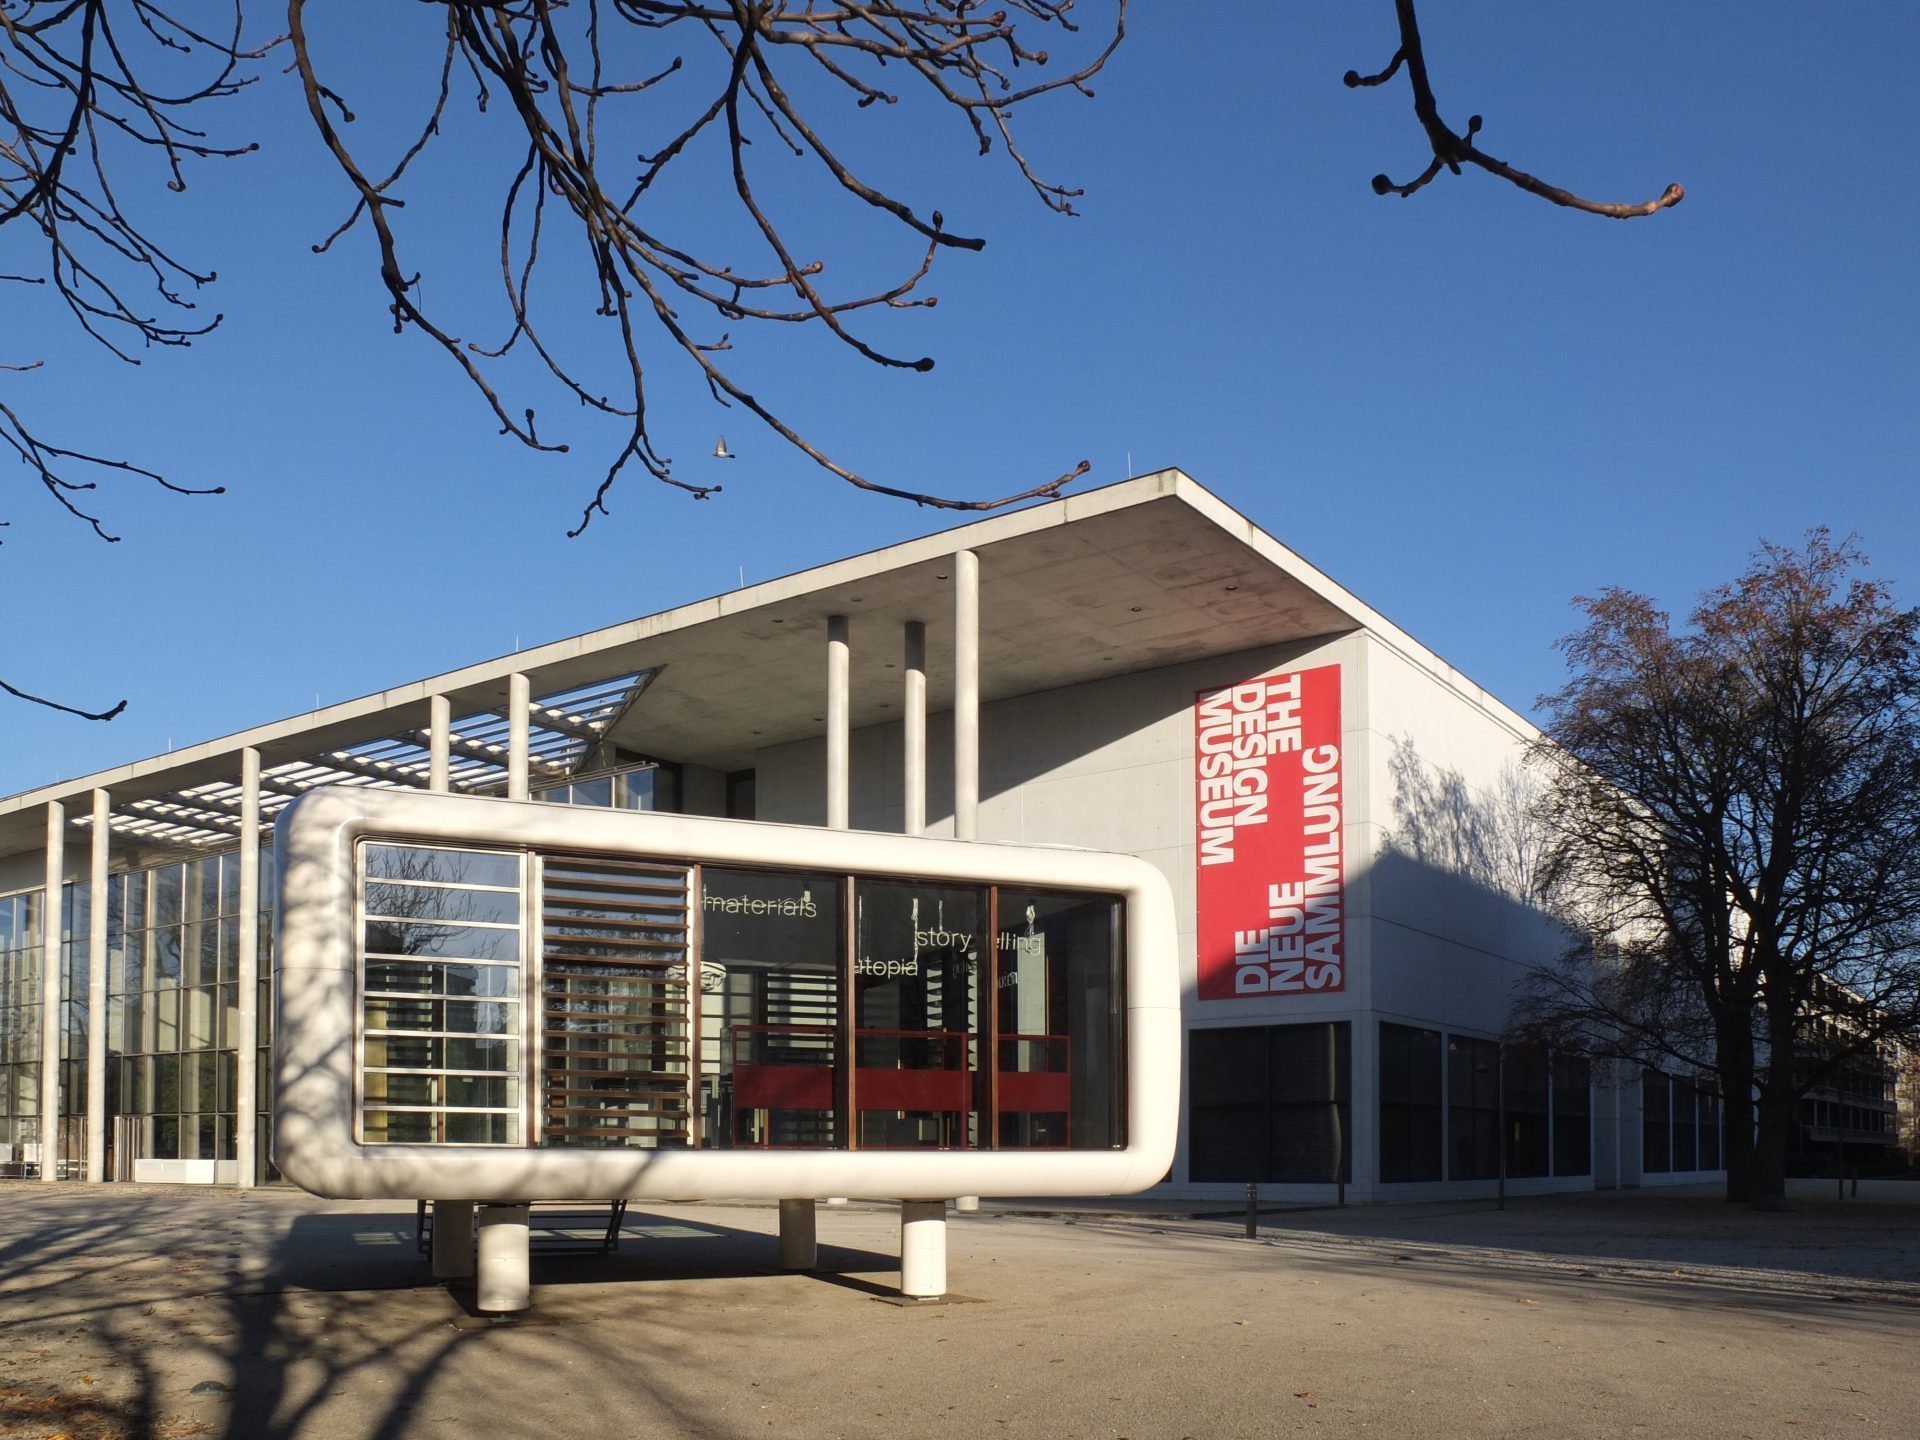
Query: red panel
{"points": [[1270, 822], [782, 1087], [1041, 1093], [949, 1090]]}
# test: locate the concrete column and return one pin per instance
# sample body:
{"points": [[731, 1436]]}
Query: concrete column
{"points": [[923, 1249], [966, 696], [505, 1259], [839, 717], [246, 1058], [519, 702], [453, 1239], [50, 991], [914, 728], [97, 990], [439, 729], [798, 1247], [966, 1204]]}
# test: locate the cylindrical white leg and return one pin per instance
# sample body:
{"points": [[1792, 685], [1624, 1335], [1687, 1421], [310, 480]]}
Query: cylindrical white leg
{"points": [[966, 1204], [452, 1239], [923, 1248], [50, 970], [97, 991], [798, 1249], [836, 1200], [505, 1282]]}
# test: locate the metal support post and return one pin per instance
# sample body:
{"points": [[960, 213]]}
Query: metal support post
{"points": [[50, 909], [923, 1249], [839, 716], [1253, 1211], [914, 729], [453, 1239], [505, 1260], [798, 1248], [97, 990], [966, 696], [246, 1096]]}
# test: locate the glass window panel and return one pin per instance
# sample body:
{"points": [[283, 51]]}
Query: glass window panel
{"points": [[481, 1090], [492, 1017], [168, 881], [503, 1055], [464, 942], [200, 1017], [442, 979], [386, 1014], [164, 1008], [917, 1013], [401, 1127], [230, 883], [470, 1129], [1060, 1013], [200, 959], [404, 1052], [163, 958], [166, 1083], [230, 1017], [229, 948], [452, 867], [424, 902]]}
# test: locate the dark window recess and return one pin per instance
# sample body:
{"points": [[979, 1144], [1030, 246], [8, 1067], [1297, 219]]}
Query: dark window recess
{"points": [[1473, 1108], [1409, 1103], [1528, 1095], [1656, 1127], [1270, 1103], [1711, 1120], [740, 795], [1572, 1115], [1686, 1126]]}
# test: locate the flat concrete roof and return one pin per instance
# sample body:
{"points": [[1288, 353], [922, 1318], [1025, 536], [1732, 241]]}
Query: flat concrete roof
{"points": [[1132, 576]]}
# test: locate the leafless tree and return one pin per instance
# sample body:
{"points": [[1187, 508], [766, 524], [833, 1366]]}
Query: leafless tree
{"points": [[1734, 812]]}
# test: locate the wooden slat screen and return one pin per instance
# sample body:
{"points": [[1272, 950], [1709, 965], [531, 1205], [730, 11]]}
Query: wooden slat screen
{"points": [[615, 1019]]}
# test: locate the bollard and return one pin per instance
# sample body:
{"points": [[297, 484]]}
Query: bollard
{"points": [[1253, 1211]]}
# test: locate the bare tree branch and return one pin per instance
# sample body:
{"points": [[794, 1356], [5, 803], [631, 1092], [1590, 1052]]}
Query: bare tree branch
{"points": [[1453, 150], [572, 75]]}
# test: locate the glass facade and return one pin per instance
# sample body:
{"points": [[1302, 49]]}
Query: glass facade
{"points": [[20, 959], [173, 1010], [1546, 1099], [1271, 1103], [817, 1009]]}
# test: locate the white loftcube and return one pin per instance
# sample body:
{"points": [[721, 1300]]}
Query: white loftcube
{"points": [[506, 1002], [846, 984]]}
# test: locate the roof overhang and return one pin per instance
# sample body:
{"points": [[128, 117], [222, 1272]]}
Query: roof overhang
{"points": [[1134, 576]]}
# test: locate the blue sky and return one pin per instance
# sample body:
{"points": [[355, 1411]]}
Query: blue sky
{"points": [[1467, 407]]}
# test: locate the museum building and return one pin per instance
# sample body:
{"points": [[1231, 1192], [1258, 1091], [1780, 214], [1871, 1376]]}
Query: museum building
{"points": [[1136, 669]]}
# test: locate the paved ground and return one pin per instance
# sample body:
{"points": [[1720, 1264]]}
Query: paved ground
{"points": [[169, 1312]]}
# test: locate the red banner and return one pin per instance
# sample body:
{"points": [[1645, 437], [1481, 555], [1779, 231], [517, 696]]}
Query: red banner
{"points": [[1269, 831]]}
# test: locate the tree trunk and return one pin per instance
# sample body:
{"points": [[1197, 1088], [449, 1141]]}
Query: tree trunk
{"points": [[1778, 1116], [1736, 1088]]}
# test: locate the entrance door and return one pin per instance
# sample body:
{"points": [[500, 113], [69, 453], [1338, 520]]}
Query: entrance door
{"points": [[616, 1010]]}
